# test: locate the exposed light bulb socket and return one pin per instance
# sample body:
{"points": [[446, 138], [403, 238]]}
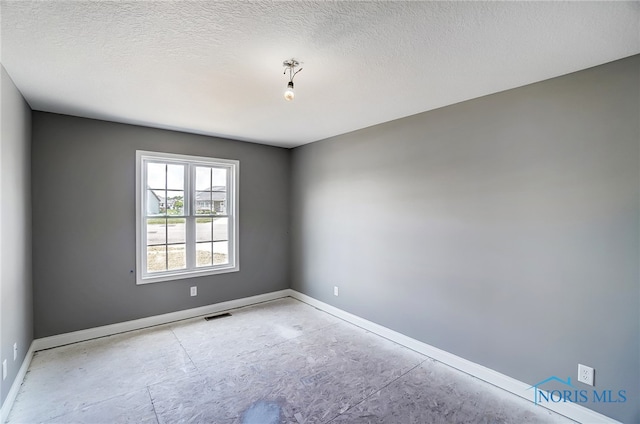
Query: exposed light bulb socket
{"points": [[290, 66], [289, 94]]}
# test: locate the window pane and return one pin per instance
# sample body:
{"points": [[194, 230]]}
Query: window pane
{"points": [[177, 256], [219, 177], [155, 202], [203, 254], [156, 231], [220, 253], [203, 178], [175, 177], [221, 229], [156, 178], [175, 202], [219, 198], [203, 203], [204, 229], [176, 230], [156, 258]]}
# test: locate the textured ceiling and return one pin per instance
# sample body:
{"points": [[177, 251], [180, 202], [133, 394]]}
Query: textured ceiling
{"points": [[216, 67]]}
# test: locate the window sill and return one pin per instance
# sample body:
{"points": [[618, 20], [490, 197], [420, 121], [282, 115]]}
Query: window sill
{"points": [[180, 275]]}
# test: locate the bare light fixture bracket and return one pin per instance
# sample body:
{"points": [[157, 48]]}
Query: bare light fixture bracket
{"points": [[290, 65]]}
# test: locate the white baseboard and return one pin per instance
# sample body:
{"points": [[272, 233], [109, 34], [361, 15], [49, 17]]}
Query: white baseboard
{"points": [[15, 387], [121, 327], [108, 330], [570, 410]]}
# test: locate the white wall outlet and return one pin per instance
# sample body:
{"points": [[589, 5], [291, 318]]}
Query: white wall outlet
{"points": [[194, 291], [585, 374], [335, 290], [15, 351], [4, 369]]}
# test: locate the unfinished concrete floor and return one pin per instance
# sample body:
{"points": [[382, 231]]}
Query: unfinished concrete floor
{"points": [[276, 362]]}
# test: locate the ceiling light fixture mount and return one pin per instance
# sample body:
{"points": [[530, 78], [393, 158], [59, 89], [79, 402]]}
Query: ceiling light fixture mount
{"points": [[290, 65]]}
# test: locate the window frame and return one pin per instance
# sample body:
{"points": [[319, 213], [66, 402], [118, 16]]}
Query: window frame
{"points": [[190, 215]]}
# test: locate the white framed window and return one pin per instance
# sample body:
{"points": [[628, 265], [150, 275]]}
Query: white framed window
{"points": [[186, 216]]}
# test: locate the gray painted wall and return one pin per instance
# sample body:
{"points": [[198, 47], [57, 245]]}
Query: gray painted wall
{"points": [[503, 230], [16, 309], [84, 223]]}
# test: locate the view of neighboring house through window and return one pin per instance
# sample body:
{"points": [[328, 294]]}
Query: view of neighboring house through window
{"points": [[212, 224], [187, 216]]}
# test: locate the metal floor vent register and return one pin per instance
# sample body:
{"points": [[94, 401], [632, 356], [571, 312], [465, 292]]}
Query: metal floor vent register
{"points": [[209, 318]]}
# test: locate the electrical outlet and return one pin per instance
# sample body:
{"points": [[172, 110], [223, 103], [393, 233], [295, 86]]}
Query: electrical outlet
{"points": [[585, 374], [4, 369], [194, 291], [335, 290], [15, 351]]}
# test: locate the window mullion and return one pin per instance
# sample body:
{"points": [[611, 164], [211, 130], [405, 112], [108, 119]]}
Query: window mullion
{"points": [[166, 219], [190, 198]]}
